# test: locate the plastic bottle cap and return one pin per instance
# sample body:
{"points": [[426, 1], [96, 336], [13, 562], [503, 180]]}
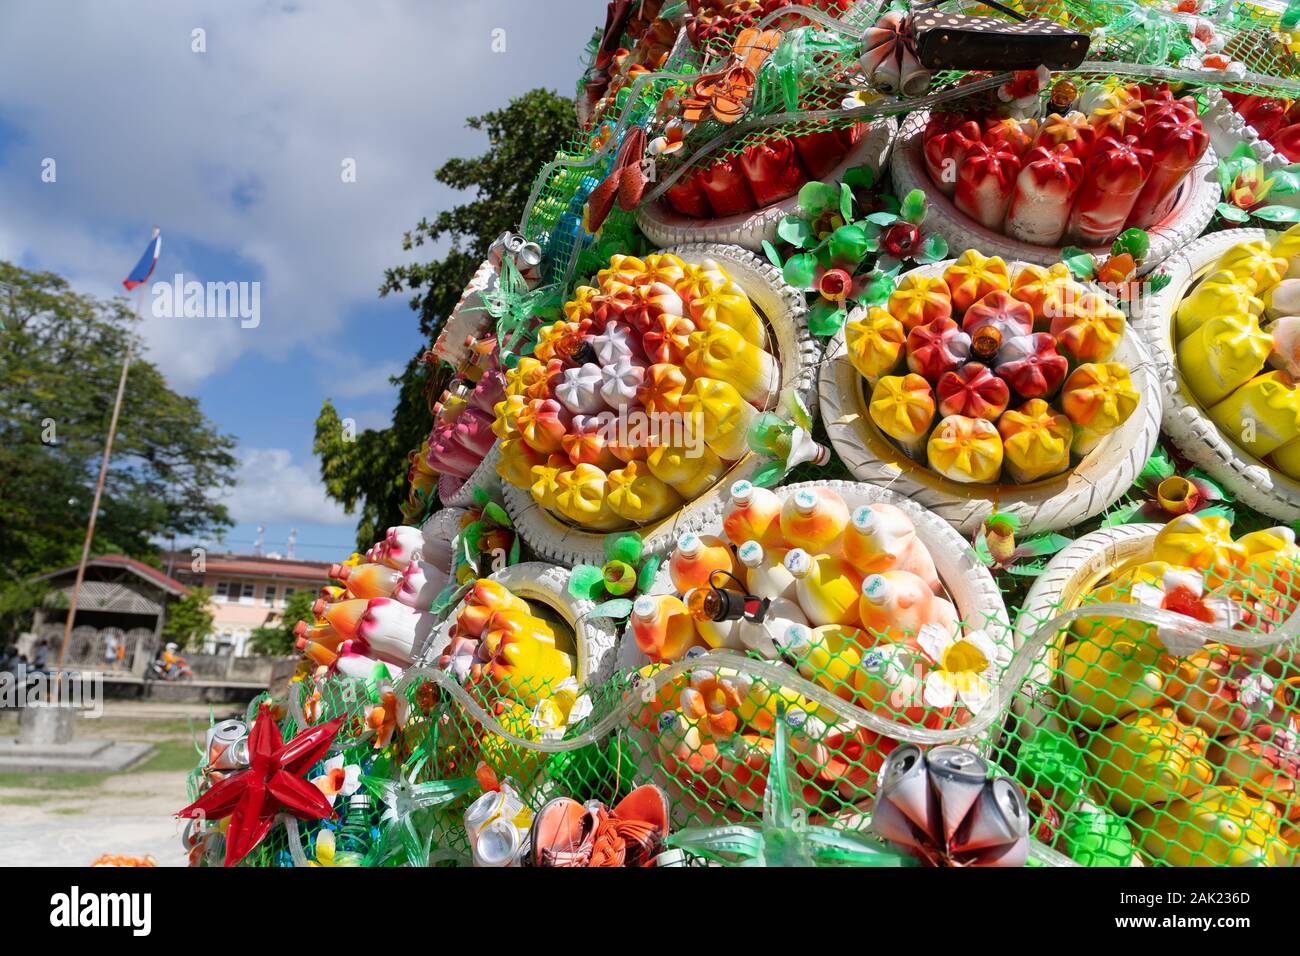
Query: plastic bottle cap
{"points": [[797, 636], [805, 501], [798, 562], [645, 607], [750, 554], [689, 544], [866, 520], [875, 588], [742, 492]]}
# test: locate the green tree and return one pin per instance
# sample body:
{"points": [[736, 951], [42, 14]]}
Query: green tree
{"points": [[189, 619], [367, 472], [60, 358], [278, 640]]}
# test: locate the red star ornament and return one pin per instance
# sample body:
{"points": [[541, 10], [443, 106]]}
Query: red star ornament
{"points": [[273, 782]]}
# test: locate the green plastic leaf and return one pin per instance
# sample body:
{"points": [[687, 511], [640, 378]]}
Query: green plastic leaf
{"points": [[1040, 545], [798, 232], [615, 610], [1217, 511], [773, 256], [514, 551], [587, 582], [879, 289], [860, 177], [1028, 570], [1277, 214], [882, 218], [1158, 281], [498, 514], [1285, 183], [846, 202], [768, 474], [1157, 468], [796, 409], [1123, 515], [847, 246], [914, 207], [816, 197], [825, 318], [625, 546], [480, 496], [472, 537], [934, 249], [646, 576], [1080, 263], [801, 270], [1134, 241], [1232, 213]]}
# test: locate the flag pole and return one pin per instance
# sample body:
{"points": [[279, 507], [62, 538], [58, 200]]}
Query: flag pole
{"points": [[99, 486]]}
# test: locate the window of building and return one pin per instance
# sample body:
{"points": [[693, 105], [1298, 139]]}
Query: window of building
{"points": [[246, 592], [268, 595], [288, 592], [223, 590]]}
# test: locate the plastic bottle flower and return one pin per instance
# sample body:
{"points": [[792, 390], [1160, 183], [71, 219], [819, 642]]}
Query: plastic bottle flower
{"points": [[1166, 494], [402, 799], [831, 248], [338, 779], [1246, 184], [964, 667], [1183, 591], [995, 546], [627, 572]]}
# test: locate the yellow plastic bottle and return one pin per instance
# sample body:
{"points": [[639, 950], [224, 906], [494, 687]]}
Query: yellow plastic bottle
{"points": [[1218, 294], [690, 470], [730, 308], [696, 559], [662, 628], [720, 415], [827, 587], [583, 499], [638, 496], [753, 514], [1225, 352], [814, 519], [1262, 415], [722, 353], [823, 656]]}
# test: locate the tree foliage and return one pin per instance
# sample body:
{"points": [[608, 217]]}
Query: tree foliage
{"points": [[278, 639], [189, 618], [60, 359], [367, 472]]}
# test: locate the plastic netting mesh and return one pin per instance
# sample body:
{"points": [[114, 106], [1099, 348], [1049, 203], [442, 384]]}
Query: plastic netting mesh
{"points": [[1132, 740]]}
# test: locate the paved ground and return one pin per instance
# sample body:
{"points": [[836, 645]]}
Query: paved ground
{"points": [[72, 819]]}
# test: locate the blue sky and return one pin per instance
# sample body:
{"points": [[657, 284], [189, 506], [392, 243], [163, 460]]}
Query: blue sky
{"points": [[237, 153]]}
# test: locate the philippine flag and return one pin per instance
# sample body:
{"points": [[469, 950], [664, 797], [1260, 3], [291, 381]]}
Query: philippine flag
{"points": [[144, 268]]}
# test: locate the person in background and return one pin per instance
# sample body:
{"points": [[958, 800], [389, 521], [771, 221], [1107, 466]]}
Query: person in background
{"points": [[112, 650], [40, 656]]}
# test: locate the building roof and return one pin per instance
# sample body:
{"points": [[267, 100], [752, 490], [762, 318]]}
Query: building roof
{"points": [[138, 568], [252, 566]]}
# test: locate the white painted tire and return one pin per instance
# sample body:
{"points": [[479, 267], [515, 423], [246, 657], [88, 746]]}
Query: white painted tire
{"points": [[594, 638], [457, 493], [1097, 482], [665, 226], [469, 317], [969, 582], [1191, 213], [1226, 128], [1248, 479], [797, 354]]}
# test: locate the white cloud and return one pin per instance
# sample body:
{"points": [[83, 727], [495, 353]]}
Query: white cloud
{"points": [[239, 149], [270, 487]]}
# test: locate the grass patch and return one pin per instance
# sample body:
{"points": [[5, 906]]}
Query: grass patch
{"points": [[169, 756], [68, 811], [25, 800], [52, 781]]}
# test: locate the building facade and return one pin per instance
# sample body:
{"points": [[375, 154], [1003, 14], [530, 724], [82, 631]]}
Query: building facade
{"points": [[248, 591]]}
